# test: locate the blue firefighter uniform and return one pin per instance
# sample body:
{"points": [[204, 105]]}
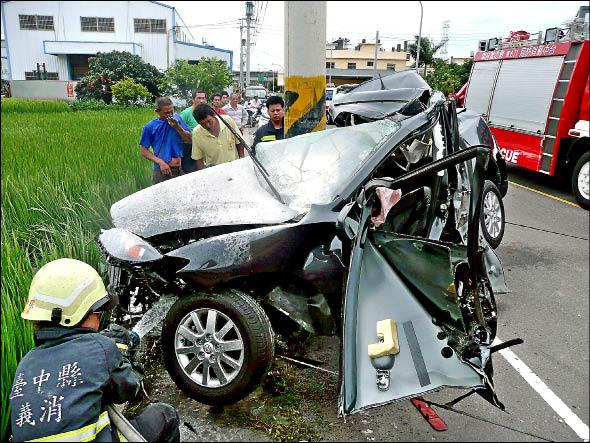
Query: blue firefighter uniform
{"points": [[62, 387]]}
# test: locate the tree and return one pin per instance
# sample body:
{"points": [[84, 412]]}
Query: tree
{"points": [[427, 51], [107, 68], [448, 78], [209, 74]]}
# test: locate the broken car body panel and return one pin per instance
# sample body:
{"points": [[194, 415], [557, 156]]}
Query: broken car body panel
{"points": [[438, 295], [404, 92], [227, 194]]}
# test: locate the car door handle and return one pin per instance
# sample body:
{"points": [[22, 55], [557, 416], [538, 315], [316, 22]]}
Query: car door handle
{"points": [[388, 341]]}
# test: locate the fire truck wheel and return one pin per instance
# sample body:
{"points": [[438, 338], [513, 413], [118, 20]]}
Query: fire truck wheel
{"points": [[492, 215], [580, 181]]}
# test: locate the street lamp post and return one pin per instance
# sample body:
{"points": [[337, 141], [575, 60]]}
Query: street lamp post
{"points": [[419, 38]]}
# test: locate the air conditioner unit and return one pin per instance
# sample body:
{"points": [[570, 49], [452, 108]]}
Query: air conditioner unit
{"points": [[483, 45]]}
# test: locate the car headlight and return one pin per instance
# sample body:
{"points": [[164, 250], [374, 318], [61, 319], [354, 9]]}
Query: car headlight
{"points": [[124, 245]]}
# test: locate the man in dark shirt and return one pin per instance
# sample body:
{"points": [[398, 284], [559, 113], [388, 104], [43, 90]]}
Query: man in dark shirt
{"points": [[273, 130], [62, 387]]}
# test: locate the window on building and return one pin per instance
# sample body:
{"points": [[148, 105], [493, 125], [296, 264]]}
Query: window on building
{"points": [[371, 63], [330, 65], [408, 57], [36, 22], [97, 24], [150, 25], [390, 66], [352, 66], [41, 75]]}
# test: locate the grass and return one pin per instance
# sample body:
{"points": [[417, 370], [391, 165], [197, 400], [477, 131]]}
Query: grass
{"points": [[61, 172], [276, 407], [29, 106]]}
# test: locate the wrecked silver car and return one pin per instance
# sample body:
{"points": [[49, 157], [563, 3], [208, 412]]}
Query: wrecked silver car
{"points": [[369, 231], [407, 93]]}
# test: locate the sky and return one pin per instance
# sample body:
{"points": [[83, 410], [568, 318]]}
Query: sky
{"points": [[396, 21]]}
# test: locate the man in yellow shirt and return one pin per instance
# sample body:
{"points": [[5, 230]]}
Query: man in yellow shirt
{"points": [[213, 142]]}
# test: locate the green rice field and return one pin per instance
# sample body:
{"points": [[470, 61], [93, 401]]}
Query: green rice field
{"points": [[61, 172]]}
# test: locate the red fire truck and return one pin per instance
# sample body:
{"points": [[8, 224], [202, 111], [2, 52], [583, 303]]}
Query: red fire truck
{"points": [[533, 90]]}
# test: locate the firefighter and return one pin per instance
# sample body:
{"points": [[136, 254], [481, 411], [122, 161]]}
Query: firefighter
{"points": [[62, 386]]}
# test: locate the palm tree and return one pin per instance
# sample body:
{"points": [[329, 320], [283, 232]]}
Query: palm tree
{"points": [[427, 51]]}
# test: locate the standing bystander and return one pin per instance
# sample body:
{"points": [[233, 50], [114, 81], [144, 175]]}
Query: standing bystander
{"points": [[224, 99], [216, 103], [213, 142], [188, 164], [165, 135], [237, 111], [187, 114], [273, 130]]}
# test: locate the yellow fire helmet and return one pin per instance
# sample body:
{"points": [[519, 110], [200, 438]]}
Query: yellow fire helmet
{"points": [[63, 291]]}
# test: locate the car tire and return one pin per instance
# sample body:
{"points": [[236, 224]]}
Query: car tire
{"points": [[223, 358], [492, 217], [580, 177]]}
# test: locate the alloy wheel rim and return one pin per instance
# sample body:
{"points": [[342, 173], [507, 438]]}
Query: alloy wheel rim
{"points": [[584, 181], [209, 347], [492, 214]]}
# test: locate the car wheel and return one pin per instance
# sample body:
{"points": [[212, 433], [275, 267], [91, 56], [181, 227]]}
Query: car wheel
{"points": [[492, 215], [217, 347], [581, 181]]}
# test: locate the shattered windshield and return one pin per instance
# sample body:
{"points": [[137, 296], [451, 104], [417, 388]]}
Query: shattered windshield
{"points": [[313, 168]]}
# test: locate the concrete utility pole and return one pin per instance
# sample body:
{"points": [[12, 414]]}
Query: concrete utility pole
{"points": [[376, 51], [249, 13], [305, 67]]}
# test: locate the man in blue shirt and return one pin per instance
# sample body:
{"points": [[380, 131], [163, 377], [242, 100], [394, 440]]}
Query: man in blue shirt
{"points": [[165, 135]]}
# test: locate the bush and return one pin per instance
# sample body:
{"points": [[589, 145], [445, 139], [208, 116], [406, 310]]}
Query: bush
{"points": [[88, 105], [108, 68], [29, 105], [128, 92]]}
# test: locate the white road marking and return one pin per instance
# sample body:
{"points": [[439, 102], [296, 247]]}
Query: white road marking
{"points": [[572, 420]]}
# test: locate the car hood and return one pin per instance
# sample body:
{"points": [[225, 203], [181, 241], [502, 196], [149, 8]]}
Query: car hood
{"points": [[227, 194]]}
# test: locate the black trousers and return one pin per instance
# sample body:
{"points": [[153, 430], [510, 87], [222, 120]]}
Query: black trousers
{"points": [[158, 177], [158, 422]]}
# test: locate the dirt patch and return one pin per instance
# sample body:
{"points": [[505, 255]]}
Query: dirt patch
{"points": [[291, 403]]}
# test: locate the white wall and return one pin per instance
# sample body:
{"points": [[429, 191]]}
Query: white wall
{"points": [[46, 89], [26, 46]]}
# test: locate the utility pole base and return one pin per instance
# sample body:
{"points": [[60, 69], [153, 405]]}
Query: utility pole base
{"points": [[305, 100]]}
